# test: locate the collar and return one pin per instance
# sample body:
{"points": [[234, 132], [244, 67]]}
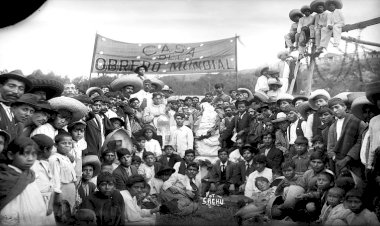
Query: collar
{"points": [[15, 168], [295, 122], [250, 162]]}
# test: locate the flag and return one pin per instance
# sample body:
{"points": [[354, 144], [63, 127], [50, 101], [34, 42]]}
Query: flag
{"points": [[117, 57]]}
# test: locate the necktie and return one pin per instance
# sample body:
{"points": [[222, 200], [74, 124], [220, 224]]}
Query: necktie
{"points": [[223, 167], [247, 166], [192, 184]]}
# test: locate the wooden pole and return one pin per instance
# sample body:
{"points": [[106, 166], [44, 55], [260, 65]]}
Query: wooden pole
{"points": [[236, 65], [93, 58], [361, 25], [351, 39]]}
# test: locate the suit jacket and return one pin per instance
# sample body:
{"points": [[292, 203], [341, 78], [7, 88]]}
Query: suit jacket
{"points": [[93, 135], [91, 189], [216, 172], [238, 124], [275, 158], [172, 160], [349, 142], [121, 177], [240, 173], [14, 129]]}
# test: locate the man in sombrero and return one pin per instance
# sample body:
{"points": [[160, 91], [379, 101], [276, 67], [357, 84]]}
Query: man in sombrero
{"points": [[12, 86], [45, 88]]}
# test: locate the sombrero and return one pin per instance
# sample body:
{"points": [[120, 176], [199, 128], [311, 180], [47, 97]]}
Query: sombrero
{"points": [[343, 96], [273, 81], [119, 119], [160, 84], [262, 97], [78, 109], [282, 52], [357, 106], [91, 90], [84, 99], [118, 135], [119, 83], [146, 127], [164, 169], [281, 116], [315, 93], [250, 95], [338, 3], [353, 95], [52, 88], [137, 69], [314, 4], [302, 108], [284, 96], [299, 98], [17, 75], [372, 89], [295, 12], [304, 8], [92, 160], [264, 67]]}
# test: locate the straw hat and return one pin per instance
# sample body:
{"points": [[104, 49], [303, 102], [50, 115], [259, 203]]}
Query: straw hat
{"points": [[28, 99], [250, 95], [304, 8], [295, 12], [357, 106], [281, 116], [52, 88], [264, 67], [92, 90], [343, 96], [315, 93], [261, 97], [282, 52], [149, 127], [92, 160], [314, 4], [353, 95], [338, 3], [284, 96], [302, 108], [299, 98], [160, 84], [372, 89], [17, 75], [126, 80], [273, 81], [78, 109]]}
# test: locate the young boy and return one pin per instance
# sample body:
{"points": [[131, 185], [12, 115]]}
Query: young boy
{"points": [[90, 169], [169, 158], [149, 168], [333, 211], [136, 161], [124, 170], [76, 129], [117, 122], [305, 29], [290, 177], [294, 15], [182, 137], [335, 22], [140, 148], [359, 214], [302, 157]]}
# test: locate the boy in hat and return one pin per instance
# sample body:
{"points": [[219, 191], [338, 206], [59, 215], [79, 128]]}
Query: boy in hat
{"points": [[282, 123], [90, 169], [294, 15], [344, 139], [318, 6], [107, 202], [140, 71], [182, 137], [274, 88], [305, 29], [335, 22], [117, 122], [302, 157], [125, 169]]}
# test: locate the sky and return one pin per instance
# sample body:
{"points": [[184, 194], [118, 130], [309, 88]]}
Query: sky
{"points": [[60, 36]]}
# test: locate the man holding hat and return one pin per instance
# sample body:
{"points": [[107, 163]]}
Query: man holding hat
{"points": [[12, 87]]}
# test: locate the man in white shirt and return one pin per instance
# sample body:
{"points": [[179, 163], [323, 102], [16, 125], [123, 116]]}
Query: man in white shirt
{"points": [[182, 137], [262, 81], [297, 127]]}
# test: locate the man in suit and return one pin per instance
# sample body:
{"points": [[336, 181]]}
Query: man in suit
{"points": [[169, 158], [274, 155], [243, 169], [240, 122], [125, 170], [97, 128], [219, 179], [344, 139]]}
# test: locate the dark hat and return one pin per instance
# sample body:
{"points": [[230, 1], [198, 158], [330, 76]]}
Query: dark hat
{"points": [[52, 88], [260, 159], [314, 4], [301, 140], [99, 98], [248, 147], [117, 119], [105, 177], [92, 160], [165, 169], [134, 179], [304, 8], [17, 75], [303, 108], [45, 106], [334, 101], [92, 90], [84, 99], [358, 104], [338, 3], [149, 127], [142, 66], [43, 140], [29, 99], [188, 151], [81, 122], [317, 138], [371, 90], [299, 98]]}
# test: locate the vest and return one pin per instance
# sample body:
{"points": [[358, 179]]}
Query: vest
{"points": [[299, 130]]}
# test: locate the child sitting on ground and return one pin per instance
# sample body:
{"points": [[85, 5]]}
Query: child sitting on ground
{"points": [[290, 178], [333, 211], [359, 215]]}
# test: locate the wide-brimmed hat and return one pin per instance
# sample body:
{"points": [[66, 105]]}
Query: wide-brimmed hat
{"points": [[118, 119], [304, 8], [17, 75], [260, 97], [78, 109], [295, 12], [250, 95], [353, 95], [357, 106], [6, 135], [282, 52], [92, 160], [296, 98], [249, 147], [302, 108], [148, 127], [280, 117], [263, 67], [372, 89], [160, 84], [314, 4], [343, 96], [301, 140], [164, 169], [45, 106], [273, 81], [28, 99], [92, 90], [119, 83], [315, 93], [338, 3], [284, 96], [52, 88], [137, 69]]}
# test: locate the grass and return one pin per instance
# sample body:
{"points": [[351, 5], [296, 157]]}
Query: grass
{"points": [[221, 216]]}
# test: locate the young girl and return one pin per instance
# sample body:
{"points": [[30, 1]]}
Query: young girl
{"points": [[151, 144], [21, 202], [64, 176]]}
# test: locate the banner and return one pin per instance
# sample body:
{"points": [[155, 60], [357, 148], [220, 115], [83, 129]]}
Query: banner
{"points": [[112, 56]]}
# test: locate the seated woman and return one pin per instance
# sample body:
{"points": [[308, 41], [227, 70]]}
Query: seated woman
{"points": [[133, 214]]}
